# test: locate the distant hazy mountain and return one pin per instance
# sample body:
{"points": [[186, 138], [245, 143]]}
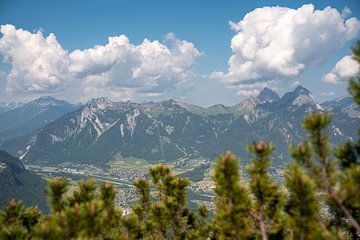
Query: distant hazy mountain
{"points": [[26, 118], [19, 183], [4, 107], [102, 130], [345, 105]]}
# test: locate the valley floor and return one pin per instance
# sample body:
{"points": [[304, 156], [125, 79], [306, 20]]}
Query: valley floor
{"points": [[199, 192]]}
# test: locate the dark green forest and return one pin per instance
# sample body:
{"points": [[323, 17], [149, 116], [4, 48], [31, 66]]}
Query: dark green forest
{"points": [[319, 198]]}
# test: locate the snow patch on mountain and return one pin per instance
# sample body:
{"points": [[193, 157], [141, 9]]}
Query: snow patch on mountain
{"points": [[169, 129], [24, 153], [84, 116], [188, 120], [336, 131], [55, 139], [90, 112], [88, 115], [98, 126], [247, 118], [122, 130], [2, 166], [131, 120]]}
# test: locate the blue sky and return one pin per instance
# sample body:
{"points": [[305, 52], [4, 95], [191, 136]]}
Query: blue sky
{"points": [[80, 25]]}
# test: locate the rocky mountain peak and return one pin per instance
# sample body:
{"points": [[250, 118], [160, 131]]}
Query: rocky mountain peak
{"points": [[300, 90], [101, 103], [268, 95], [298, 97]]}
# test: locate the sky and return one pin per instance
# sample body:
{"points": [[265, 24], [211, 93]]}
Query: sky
{"points": [[202, 52]]}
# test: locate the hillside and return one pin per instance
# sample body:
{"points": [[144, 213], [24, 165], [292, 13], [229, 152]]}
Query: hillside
{"points": [[19, 183]]}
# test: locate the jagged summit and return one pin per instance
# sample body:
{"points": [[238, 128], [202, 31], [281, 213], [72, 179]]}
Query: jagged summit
{"points": [[101, 103], [100, 100], [301, 90], [300, 96], [298, 91], [268, 95]]}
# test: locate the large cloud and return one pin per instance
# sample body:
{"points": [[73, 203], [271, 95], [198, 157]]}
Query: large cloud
{"points": [[38, 63], [344, 69], [118, 69], [273, 43]]}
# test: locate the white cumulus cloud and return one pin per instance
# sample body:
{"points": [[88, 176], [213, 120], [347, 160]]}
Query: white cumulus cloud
{"points": [[38, 63], [252, 89], [344, 69], [275, 43], [120, 69]]}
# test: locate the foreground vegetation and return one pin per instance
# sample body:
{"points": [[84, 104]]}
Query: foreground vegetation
{"points": [[319, 200]]}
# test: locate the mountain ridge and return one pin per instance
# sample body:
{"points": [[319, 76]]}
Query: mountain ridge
{"points": [[169, 130]]}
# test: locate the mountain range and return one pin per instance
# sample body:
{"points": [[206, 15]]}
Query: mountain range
{"points": [[102, 131]]}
